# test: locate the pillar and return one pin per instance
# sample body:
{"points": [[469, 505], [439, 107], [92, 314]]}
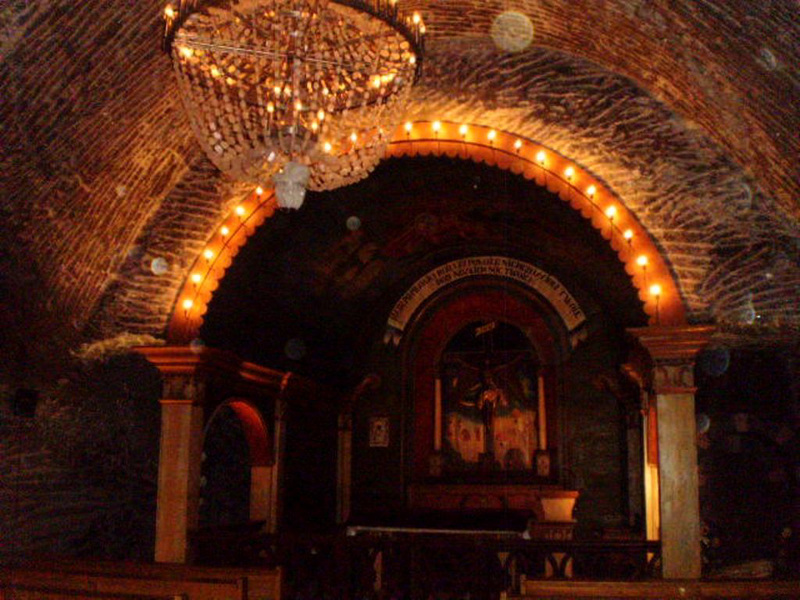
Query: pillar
{"points": [[261, 494], [672, 351], [276, 472], [343, 467], [179, 469]]}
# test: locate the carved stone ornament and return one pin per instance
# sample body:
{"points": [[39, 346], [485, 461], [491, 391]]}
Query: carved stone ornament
{"points": [[674, 377], [184, 387]]}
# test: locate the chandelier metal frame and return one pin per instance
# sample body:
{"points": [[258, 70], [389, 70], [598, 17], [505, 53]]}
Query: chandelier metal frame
{"points": [[316, 84]]}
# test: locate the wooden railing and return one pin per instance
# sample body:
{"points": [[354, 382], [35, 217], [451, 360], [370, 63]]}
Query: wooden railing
{"points": [[415, 564]]}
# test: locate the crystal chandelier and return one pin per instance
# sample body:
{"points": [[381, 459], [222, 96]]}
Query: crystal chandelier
{"points": [[302, 92]]}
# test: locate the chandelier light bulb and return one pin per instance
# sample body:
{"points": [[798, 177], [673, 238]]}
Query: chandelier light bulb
{"points": [[196, 278], [611, 212], [416, 18], [655, 290], [628, 234], [408, 126], [224, 231], [353, 137], [239, 210], [642, 260], [518, 145], [259, 190], [540, 156], [436, 126], [321, 114], [208, 254], [569, 173], [169, 12], [327, 147], [591, 191], [491, 135], [463, 131], [188, 304]]}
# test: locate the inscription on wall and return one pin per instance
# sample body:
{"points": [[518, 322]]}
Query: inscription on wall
{"points": [[547, 286]]}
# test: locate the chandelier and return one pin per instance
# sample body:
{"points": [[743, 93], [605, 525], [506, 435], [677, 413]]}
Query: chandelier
{"points": [[304, 93]]}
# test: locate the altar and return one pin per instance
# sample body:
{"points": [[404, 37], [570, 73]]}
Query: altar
{"points": [[548, 509]]}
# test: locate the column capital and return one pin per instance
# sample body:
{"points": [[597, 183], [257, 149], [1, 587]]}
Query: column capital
{"points": [[681, 342], [672, 352]]}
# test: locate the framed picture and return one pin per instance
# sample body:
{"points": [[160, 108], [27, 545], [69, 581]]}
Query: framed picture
{"points": [[379, 432]]}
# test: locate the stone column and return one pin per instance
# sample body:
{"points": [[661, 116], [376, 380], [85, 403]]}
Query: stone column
{"points": [[179, 467], [343, 467], [276, 472], [672, 351], [261, 494]]}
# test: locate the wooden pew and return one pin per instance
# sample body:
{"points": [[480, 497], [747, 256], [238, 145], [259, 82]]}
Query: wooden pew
{"points": [[666, 590], [145, 580]]}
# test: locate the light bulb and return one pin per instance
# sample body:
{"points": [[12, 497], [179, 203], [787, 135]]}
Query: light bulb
{"points": [[463, 130], [611, 212], [655, 290], [569, 173], [196, 278], [169, 12], [327, 147], [416, 18], [518, 145], [353, 137], [188, 304], [436, 126], [259, 190], [224, 231], [628, 235], [239, 211], [408, 126], [591, 191], [208, 254], [540, 156], [642, 260], [492, 134]]}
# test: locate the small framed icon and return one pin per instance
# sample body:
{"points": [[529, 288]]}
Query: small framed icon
{"points": [[379, 432]]}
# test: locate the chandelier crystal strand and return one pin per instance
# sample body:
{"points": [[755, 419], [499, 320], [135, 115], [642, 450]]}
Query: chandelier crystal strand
{"points": [[317, 83]]}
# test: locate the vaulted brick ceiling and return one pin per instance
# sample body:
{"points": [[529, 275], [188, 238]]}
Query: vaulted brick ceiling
{"points": [[686, 109]]}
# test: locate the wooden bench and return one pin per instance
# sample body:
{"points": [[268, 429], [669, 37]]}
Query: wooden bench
{"points": [[118, 579], [667, 590]]}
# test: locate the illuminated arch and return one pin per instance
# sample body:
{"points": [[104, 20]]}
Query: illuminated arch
{"points": [[648, 270]]}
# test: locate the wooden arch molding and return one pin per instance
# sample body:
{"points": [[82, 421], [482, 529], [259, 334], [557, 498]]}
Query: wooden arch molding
{"points": [[253, 426], [649, 272]]}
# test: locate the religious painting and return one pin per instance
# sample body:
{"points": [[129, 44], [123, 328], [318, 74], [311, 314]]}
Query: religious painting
{"points": [[379, 432], [489, 400]]}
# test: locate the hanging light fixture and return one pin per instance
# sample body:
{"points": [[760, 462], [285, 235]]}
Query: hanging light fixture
{"points": [[315, 84]]}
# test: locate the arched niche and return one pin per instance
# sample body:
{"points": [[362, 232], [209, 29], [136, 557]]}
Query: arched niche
{"points": [[252, 459], [482, 302]]}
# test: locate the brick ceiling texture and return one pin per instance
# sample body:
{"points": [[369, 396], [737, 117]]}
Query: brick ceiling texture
{"points": [[687, 109]]}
